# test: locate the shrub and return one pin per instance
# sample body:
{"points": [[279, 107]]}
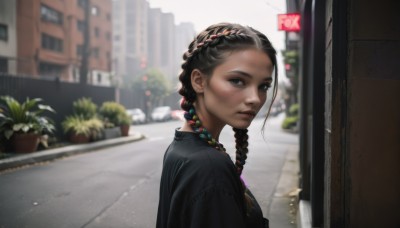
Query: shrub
{"points": [[294, 110], [96, 127], [112, 113], [76, 125], [291, 120], [85, 108], [25, 117]]}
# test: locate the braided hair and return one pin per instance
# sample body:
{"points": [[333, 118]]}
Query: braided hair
{"points": [[208, 50]]}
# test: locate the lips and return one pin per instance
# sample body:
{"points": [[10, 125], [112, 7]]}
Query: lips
{"points": [[249, 113]]}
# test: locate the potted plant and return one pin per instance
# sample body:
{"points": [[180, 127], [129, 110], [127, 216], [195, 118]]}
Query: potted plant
{"points": [[77, 129], [111, 112], [24, 123], [125, 122], [96, 127]]}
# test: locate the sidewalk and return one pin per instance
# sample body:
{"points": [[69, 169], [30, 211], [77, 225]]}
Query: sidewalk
{"points": [[51, 154], [284, 203]]}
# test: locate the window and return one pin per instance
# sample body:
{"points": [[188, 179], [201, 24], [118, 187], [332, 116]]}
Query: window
{"points": [[96, 52], [99, 78], [95, 11], [3, 65], [82, 3], [80, 25], [108, 36], [3, 32], [51, 15], [52, 43], [50, 70], [108, 17], [79, 50], [97, 32]]}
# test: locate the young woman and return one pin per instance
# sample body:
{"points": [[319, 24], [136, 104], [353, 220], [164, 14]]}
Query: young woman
{"points": [[226, 73]]}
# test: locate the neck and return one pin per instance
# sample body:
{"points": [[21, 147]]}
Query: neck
{"points": [[209, 122]]}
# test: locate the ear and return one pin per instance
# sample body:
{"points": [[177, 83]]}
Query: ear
{"points": [[198, 81]]}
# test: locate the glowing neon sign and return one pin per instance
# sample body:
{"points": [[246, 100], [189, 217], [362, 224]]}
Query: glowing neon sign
{"points": [[289, 22]]}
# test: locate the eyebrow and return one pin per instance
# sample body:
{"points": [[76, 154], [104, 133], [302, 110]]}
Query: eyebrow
{"points": [[269, 78]]}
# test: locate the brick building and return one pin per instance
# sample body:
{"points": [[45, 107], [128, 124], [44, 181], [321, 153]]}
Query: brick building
{"points": [[50, 37]]}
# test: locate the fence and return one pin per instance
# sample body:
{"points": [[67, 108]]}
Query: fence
{"points": [[60, 95]]}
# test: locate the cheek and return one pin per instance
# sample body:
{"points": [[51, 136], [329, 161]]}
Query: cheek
{"points": [[224, 95]]}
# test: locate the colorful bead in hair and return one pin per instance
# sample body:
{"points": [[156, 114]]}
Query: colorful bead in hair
{"points": [[197, 127]]}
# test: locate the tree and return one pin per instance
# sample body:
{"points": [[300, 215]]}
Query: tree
{"points": [[153, 84]]}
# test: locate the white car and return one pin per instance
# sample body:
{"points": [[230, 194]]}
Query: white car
{"points": [[138, 116], [162, 113]]}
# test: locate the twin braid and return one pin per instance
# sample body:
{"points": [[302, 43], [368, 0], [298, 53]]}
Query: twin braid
{"points": [[240, 136], [241, 148], [197, 126]]}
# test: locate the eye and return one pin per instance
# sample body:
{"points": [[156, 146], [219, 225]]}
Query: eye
{"points": [[265, 87], [236, 81]]}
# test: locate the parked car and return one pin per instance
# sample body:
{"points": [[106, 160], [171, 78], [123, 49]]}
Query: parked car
{"points": [[178, 114], [161, 113], [138, 116]]}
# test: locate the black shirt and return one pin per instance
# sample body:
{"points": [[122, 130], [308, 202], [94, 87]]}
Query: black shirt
{"points": [[200, 188]]}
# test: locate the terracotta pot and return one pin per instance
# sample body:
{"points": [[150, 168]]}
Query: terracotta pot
{"points": [[78, 138], [124, 130], [26, 142]]}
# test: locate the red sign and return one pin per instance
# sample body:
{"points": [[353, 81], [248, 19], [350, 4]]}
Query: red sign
{"points": [[289, 22]]}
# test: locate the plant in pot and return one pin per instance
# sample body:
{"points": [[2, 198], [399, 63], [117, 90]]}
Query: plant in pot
{"points": [[77, 129], [110, 112], [96, 127], [86, 110], [23, 125], [125, 122]]}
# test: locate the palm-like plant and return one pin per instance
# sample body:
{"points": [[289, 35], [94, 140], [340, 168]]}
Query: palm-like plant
{"points": [[26, 117]]}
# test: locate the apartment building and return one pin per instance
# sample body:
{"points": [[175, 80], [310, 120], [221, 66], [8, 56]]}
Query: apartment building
{"points": [[8, 45], [130, 38], [50, 39]]}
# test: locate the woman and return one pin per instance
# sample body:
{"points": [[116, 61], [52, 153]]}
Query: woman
{"points": [[226, 73]]}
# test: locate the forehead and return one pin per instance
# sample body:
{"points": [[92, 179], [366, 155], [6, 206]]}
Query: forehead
{"points": [[252, 61]]}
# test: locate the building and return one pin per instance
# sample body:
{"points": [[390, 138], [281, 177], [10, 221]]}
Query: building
{"points": [[130, 41], [8, 33], [50, 39], [350, 114], [185, 33]]}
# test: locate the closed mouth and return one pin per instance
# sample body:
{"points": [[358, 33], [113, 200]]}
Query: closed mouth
{"points": [[250, 113]]}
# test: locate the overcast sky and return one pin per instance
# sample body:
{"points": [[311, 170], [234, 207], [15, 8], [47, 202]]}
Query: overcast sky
{"points": [[259, 14]]}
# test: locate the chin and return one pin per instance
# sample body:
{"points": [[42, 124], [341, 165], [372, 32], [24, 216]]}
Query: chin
{"points": [[240, 125]]}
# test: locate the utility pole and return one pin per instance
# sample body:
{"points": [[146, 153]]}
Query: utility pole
{"points": [[86, 44]]}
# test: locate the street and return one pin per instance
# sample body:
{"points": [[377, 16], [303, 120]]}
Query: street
{"points": [[118, 186]]}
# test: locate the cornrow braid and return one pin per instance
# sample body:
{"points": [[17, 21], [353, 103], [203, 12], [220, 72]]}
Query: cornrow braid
{"points": [[196, 49]]}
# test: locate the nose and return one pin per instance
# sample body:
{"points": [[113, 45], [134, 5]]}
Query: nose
{"points": [[253, 97]]}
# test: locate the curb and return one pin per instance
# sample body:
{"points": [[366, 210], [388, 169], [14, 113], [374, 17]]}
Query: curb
{"points": [[51, 154]]}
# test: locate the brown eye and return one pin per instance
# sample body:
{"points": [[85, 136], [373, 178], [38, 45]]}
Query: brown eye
{"points": [[265, 87], [236, 81]]}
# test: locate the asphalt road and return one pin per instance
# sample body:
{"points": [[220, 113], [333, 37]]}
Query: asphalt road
{"points": [[118, 186]]}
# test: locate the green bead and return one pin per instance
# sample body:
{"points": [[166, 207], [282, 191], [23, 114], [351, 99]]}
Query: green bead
{"points": [[198, 123], [195, 117]]}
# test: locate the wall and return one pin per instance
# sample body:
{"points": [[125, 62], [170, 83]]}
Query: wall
{"points": [[8, 49], [373, 140]]}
